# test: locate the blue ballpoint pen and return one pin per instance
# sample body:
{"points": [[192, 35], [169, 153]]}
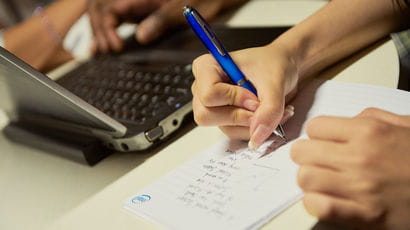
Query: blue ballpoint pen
{"points": [[215, 47]]}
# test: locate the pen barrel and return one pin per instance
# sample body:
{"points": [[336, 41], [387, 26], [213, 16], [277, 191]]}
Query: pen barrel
{"points": [[216, 48], [233, 71], [249, 86]]}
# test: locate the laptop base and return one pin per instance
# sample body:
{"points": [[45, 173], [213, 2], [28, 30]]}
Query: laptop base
{"points": [[79, 148]]}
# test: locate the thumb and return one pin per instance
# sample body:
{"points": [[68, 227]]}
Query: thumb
{"points": [[267, 116], [157, 23]]}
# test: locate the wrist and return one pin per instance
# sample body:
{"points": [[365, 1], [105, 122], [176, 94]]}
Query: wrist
{"points": [[295, 45], [284, 58], [63, 14], [46, 23]]}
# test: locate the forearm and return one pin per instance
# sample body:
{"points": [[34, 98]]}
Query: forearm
{"points": [[338, 30], [34, 42]]}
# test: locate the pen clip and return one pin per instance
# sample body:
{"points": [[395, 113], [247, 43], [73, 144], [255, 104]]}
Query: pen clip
{"points": [[209, 33]]}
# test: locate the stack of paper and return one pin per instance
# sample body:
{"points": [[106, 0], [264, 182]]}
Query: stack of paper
{"points": [[229, 186]]}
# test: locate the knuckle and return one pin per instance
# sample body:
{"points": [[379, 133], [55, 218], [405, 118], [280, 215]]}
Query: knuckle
{"points": [[198, 62], [329, 209], [200, 116], [312, 124], [373, 212], [303, 178], [309, 205], [275, 109], [365, 159], [374, 130], [235, 133], [322, 208], [296, 149], [236, 117], [370, 186], [193, 88], [195, 65], [231, 94], [228, 132], [369, 112], [195, 105], [207, 97]]}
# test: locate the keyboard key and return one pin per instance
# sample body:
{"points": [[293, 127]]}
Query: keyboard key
{"points": [[167, 89], [171, 100], [188, 68], [135, 97], [131, 92], [106, 106], [126, 95], [157, 89], [148, 87], [166, 79], [121, 84], [177, 68], [182, 90], [155, 99], [176, 79], [130, 74], [147, 77], [121, 73], [157, 78], [138, 76], [129, 85]]}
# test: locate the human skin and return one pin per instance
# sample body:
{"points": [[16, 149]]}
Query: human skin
{"points": [[154, 18], [32, 41], [339, 29], [355, 171]]}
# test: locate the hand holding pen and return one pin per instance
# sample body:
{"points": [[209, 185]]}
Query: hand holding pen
{"points": [[241, 112]]}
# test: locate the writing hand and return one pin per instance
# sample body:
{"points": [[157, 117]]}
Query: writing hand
{"points": [[238, 112]]}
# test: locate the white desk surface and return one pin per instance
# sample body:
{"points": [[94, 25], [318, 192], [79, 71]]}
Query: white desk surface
{"points": [[43, 191]]}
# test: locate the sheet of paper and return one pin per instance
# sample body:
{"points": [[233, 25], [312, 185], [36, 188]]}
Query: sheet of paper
{"points": [[229, 186]]}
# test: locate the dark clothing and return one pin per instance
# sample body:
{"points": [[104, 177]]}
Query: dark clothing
{"points": [[402, 43]]}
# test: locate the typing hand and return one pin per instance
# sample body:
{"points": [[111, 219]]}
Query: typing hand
{"points": [[107, 15], [154, 17], [238, 112], [355, 171]]}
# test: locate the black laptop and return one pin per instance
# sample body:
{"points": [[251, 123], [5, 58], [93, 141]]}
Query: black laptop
{"points": [[128, 101]]}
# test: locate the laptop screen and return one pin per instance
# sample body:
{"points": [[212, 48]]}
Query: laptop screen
{"points": [[27, 91]]}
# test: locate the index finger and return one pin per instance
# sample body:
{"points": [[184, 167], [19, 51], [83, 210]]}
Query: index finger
{"points": [[213, 87], [110, 22], [337, 129], [96, 25]]}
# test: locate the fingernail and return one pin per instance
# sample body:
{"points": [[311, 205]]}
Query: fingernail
{"points": [[290, 112], [250, 105], [290, 108], [287, 114], [147, 30], [261, 133], [142, 36]]}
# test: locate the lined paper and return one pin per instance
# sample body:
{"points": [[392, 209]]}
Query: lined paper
{"points": [[229, 186]]}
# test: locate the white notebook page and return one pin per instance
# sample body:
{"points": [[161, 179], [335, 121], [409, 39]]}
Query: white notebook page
{"points": [[229, 186]]}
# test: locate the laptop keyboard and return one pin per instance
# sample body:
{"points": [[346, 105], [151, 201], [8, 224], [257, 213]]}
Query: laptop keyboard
{"points": [[131, 93]]}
